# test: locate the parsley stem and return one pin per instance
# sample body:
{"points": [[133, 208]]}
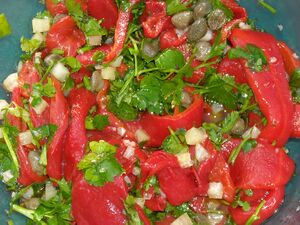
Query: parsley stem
{"points": [[255, 216], [205, 65], [147, 70], [26, 212], [234, 154], [10, 148], [267, 6]]}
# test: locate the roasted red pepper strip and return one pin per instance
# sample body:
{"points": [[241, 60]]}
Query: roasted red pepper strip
{"points": [[86, 58], [59, 116], [273, 200], [192, 116], [80, 101], [270, 86], [233, 67], [120, 35], [98, 205], [289, 58], [170, 39], [296, 122], [142, 215], [65, 35], [57, 7], [264, 167]]}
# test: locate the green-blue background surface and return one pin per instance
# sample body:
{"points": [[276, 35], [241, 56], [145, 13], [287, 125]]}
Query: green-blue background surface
{"points": [[20, 12]]}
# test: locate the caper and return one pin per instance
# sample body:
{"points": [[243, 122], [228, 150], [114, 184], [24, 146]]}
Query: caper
{"points": [[182, 20], [239, 127], [202, 8], [197, 30], [202, 50], [150, 48], [216, 19]]}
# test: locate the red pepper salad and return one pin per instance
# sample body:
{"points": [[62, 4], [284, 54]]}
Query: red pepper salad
{"points": [[148, 112]]}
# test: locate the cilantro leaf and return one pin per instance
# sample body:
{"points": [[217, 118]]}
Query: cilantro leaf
{"points": [[217, 4], [295, 85], [73, 63], [175, 143], [176, 6], [100, 165], [229, 122], [44, 131], [256, 59], [39, 90], [30, 45], [132, 215], [98, 122], [5, 28], [170, 59], [8, 170]]}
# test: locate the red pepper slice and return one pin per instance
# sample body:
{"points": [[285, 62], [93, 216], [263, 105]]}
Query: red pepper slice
{"points": [[120, 35], [291, 63], [59, 116], [98, 205], [263, 167], [104, 9], [221, 173], [80, 101], [142, 215], [60, 7], [153, 26], [296, 122], [170, 39], [233, 67], [157, 126], [270, 87], [86, 59], [273, 200], [65, 35]]}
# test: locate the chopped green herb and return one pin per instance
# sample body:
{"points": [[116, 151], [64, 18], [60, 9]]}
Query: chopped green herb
{"points": [[30, 45], [73, 63], [175, 143], [87, 83], [295, 85], [170, 59], [5, 28], [176, 6], [39, 90], [255, 56], [98, 122], [255, 216], [267, 6], [100, 165], [131, 213]]}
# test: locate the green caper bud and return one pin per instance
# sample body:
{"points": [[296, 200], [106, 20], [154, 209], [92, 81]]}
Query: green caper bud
{"points": [[239, 127], [203, 49], [183, 19], [202, 8], [197, 30], [216, 19], [150, 48]]}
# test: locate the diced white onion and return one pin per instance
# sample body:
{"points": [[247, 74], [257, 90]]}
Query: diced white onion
{"points": [[25, 137], [28, 194], [252, 132], [136, 171], [40, 108], [96, 81], [50, 191], [60, 72], [184, 219], [121, 131], [185, 160], [117, 62], [40, 25], [94, 40], [141, 136], [147, 196], [3, 105], [186, 99], [128, 143], [244, 26], [1, 133], [200, 153], [38, 36], [7, 175], [108, 73], [11, 82], [208, 36], [37, 57], [195, 136], [32, 203], [127, 180], [19, 66], [140, 202], [34, 160], [215, 218], [215, 190], [129, 152]]}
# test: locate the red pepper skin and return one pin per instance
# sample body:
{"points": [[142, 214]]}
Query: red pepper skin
{"points": [[15, 121], [59, 116], [27, 175], [39, 119], [86, 58], [221, 173], [65, 35], [273, 200], [264, 167], [60, 7], [80, 74], [29, 76], [233, 67], [156, 203], [270, 87], [98, 205], [290, 62], [120, 35], [104, 9], [170, 39], [142, 215], [80, 101], [179, 185], [154, 26], [296, 122], [157, 126]]}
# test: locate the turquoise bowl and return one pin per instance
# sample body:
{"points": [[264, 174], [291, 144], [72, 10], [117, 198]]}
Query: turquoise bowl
{"points": [[20, 13]]}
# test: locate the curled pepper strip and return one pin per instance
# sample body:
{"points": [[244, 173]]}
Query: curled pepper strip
{"points": [[270, 87]]}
